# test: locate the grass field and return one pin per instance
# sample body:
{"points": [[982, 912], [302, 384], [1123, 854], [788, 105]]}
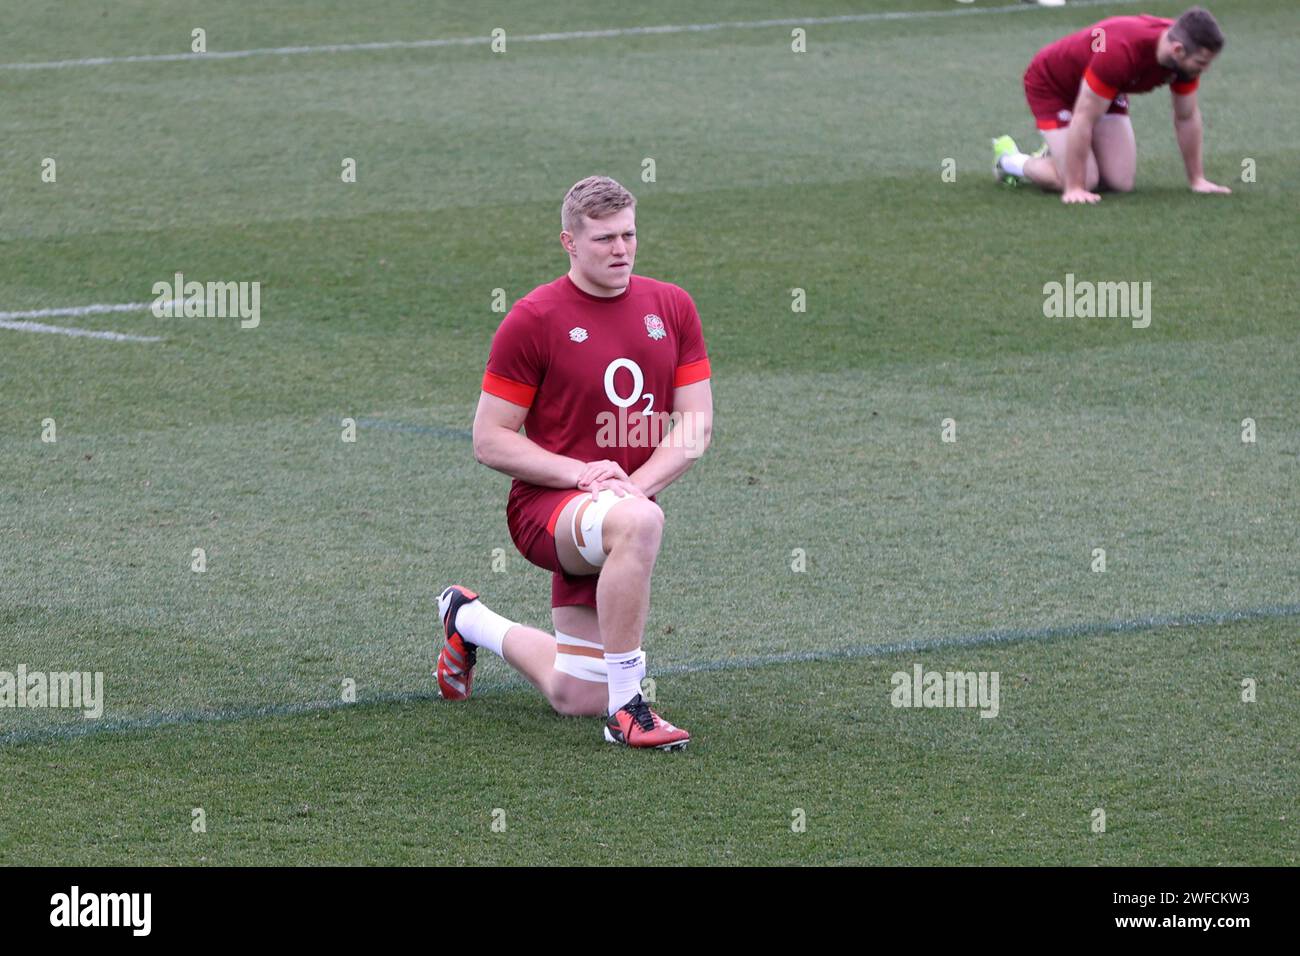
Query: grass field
{"points": [[774, 171]]}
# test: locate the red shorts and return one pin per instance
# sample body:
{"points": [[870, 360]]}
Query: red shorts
{"points": [[1050, 109], [532, 528]]}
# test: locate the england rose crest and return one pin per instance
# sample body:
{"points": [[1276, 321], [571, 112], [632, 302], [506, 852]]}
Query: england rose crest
{"points": [[654, 327]]}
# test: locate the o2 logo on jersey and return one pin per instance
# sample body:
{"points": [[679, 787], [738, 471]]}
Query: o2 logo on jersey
{"points": [[630, 427], [644, 428], [638, 383]]}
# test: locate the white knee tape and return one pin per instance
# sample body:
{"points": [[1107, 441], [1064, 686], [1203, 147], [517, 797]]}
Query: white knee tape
{"points": [[584, 660], [588, 522]]}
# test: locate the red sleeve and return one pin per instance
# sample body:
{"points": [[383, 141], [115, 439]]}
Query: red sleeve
{"points": [[1182, 89], [1111, 67], [1094, 78], [692, 356], [516, 363]]}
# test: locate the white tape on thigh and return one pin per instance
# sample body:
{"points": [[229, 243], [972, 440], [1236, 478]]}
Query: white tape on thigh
{"points": [[575, 657], [588, 535]]}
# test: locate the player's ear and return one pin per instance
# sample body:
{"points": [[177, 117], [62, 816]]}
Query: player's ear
{"points": [[566, 240]]}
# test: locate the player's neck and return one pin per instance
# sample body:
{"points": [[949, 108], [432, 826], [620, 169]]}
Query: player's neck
{"points": [[1163, 53], [591, 289]]}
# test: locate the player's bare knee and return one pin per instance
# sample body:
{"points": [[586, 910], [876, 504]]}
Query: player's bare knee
{"points": [[566, 704], [636, 523], [563, 705], [1124, 185], [568, 701]]}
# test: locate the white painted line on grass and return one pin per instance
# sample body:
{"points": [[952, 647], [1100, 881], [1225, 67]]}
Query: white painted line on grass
{"points": [[19, 321], [77, 310], [960, 11], [78, 333]]}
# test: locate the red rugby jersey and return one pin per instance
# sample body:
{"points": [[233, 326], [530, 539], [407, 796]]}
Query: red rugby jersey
{"points": [[578, 362], [1114, 56]]}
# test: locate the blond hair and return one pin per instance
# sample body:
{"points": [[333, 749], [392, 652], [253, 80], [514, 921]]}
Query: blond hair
{"points": [[595, 196]]}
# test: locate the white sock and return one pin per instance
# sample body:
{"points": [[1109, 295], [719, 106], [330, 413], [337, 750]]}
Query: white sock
{"points": [[626, 671], [1014, 163], [479, 624]]}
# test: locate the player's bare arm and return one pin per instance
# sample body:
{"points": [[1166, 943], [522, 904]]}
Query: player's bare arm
{"points": [[673, 458], [1189, 131], [1089, 107], [499, 445]]}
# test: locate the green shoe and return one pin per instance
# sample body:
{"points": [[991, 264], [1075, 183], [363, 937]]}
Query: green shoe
{"points": [[1001, 146]]}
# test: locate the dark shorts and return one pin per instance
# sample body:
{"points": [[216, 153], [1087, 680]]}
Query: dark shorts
{"points": [[1050, 109], [532, 529]]}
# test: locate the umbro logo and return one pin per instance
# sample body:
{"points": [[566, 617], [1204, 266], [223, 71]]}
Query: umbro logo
{"points": [[578, 334]]}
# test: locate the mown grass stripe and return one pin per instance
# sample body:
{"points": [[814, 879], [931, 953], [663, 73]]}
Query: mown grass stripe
{"points": [[383, 45], [855, 652]]}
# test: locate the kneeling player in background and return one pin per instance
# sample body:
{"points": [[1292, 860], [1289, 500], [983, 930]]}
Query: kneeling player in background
{"points": [[1078, 89]]}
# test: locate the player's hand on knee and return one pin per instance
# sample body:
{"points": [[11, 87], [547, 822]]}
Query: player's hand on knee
{"points": [[598, 470], [1203, 185], [1079, 195], [620, 486]]}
